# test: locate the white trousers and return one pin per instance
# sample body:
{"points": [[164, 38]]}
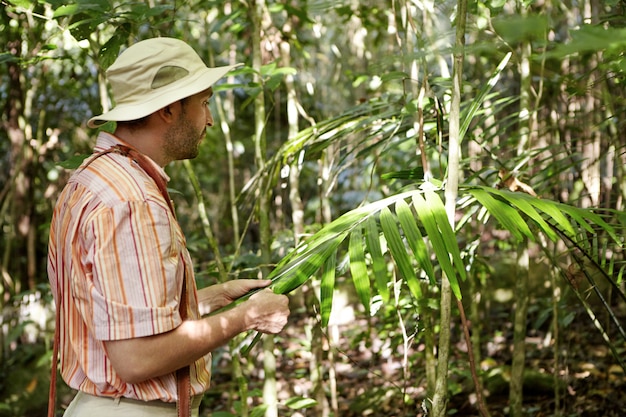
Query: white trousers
{"points": [[85, 405]]}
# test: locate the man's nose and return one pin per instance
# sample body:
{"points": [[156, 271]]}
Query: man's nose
{"points": [[209, 118]]}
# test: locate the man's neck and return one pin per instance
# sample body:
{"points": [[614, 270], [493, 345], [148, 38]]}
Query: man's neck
{"points": [[145, 141]]}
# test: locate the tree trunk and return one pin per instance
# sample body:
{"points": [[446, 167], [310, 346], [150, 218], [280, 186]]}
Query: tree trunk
{"points": [[257, 11], [519, 332], [440, 398]]}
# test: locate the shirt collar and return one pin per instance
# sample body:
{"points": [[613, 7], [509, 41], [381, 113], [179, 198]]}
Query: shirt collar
{"points": [[106, 140]]}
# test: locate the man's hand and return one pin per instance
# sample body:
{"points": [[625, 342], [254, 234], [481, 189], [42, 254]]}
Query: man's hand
{"points": [[217, 296], [267, 312]]}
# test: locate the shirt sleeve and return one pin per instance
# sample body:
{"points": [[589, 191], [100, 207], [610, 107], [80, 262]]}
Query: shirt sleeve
{"points": [[134, 271]]}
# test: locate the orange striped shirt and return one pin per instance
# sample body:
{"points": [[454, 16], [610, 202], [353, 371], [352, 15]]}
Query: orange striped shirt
{"points": [[115, 263]]}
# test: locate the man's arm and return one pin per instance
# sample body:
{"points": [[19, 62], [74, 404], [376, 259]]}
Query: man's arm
{"points": [[214, 297], [136, 360]]}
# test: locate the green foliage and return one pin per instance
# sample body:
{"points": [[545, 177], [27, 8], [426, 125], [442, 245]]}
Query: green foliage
{"points": [[398, 244], [592, 38]]}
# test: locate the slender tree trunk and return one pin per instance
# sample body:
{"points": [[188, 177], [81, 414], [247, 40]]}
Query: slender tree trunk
{"points": [[526, 118], [226, 111], [519, 332], [257, 11], [409, 43], [556, 335], [590, 165], [306, 297], [440, 398]]}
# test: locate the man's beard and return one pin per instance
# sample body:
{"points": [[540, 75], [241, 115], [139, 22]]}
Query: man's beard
{"points": [[183, 140]]}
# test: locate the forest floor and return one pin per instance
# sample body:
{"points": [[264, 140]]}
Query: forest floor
{"points": [[370, 379]]}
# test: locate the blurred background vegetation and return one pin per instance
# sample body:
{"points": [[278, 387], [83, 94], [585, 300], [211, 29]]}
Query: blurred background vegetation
{"points": [[341, 105]]}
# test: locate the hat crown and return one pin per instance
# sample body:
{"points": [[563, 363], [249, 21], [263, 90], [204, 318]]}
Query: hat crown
{"points": [[155, 73], [152, 64]]}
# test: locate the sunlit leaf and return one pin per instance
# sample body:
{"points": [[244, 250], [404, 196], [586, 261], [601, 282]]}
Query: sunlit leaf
{"points": [[399, 251], [296, 403], [379, 264], [477, 102], [448, 235], [554, 213], [506, 215], [297, 267], [415, 239], [521, 202], [584, 217], [291, 275], [66, 10], [429, 221], [358, 269], [327, 289], [73, 162]]}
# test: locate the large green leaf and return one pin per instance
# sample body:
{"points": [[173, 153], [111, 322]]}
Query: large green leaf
{"points": [[584, 217], [521, 201], [415, 239], [447, 233], [399, 251], [379, 264], [553, 211], [291, 275], [508, 217], [437, 239], [550, 216], [327, 288], [358, 269]]}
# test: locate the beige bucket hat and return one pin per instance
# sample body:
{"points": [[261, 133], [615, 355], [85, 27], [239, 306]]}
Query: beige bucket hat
{"points": [[153, 73]]}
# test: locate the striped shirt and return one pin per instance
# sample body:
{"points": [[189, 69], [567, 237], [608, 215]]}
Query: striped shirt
{"points": [[115, 263]]}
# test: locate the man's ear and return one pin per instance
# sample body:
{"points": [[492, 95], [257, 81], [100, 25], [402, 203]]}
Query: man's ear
{"points": [[167, 113]]}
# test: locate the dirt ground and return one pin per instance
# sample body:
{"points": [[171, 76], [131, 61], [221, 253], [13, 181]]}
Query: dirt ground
{"points": [[370, 380]]}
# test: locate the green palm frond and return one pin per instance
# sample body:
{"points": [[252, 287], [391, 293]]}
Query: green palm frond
{"points": [[581, 230], [297, 267], [429, 212], [412, 230], [401, 218]]}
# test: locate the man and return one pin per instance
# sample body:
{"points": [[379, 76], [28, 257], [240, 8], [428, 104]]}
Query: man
{"points": [[129, 324]]}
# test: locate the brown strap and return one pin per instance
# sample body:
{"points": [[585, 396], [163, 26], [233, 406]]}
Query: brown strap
{"points": [[52, 394], [183, 382]]}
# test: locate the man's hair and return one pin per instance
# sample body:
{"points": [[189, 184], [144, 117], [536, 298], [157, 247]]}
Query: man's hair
{"points": [[134, 124], [139, 123]]}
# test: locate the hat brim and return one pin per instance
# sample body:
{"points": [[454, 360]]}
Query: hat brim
{"points": [[177, 91]]}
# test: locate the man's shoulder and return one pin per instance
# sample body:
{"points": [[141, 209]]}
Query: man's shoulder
{"points": [[112, 178]]}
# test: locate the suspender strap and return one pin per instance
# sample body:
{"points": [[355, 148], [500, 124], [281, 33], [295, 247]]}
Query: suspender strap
{"points": [[52, 394], [183, 382]]}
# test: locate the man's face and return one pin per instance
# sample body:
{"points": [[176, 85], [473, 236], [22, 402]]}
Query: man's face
{"points": [[183, 138]]}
